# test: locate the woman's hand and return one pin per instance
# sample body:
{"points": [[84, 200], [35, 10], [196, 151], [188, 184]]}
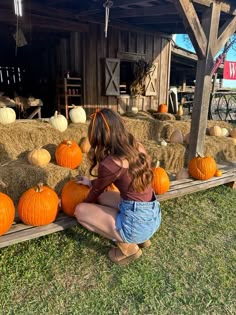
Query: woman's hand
{"points": [[83, 180]]}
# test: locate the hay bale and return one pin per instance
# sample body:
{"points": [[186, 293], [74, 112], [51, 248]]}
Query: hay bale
{"points": [[144, 128], [171, 157], [221, 148], [184, 126], [164, 116], [22, 137], [17, 175]]}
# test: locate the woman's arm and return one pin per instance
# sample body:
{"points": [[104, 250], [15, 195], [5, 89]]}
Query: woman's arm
{"points": [[106, 176]]}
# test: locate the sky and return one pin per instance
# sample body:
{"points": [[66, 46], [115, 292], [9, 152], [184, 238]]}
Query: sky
{"points": [[231, 56]]}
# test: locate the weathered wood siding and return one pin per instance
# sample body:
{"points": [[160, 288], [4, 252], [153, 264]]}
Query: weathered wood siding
{"points": [[86, 53]]}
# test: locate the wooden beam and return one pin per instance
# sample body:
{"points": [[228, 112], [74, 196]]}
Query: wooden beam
{"points": [[192, 24], [34, 20], [164, 19], [42, 10], [225, 32], [148, 11], [56, 2], [119, 3], [184, 53], [118, 24], [203, 83], [211, 16], [226, 8], [116, 4]]}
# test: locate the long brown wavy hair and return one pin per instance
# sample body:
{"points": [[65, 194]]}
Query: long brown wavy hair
{"points": [[108, 136]]}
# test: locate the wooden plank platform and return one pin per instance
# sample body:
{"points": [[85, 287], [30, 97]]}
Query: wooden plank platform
{"points": [[20, 232]]}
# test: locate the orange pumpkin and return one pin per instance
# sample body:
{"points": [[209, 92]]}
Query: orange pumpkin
{"points": [[38, 205], [7, 213], [162, 108], [218, 173], [112, 187], [68, 154], [72, 194], [161, 181], [202, 168]]}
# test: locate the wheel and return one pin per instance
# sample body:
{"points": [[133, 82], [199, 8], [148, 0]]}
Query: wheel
{"points": [[222, 107], [213, 108], [232, 107], [218, 107]]}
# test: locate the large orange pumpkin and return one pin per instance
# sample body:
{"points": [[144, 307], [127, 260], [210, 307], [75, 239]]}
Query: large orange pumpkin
{"points": [[38, 205], [202, 168], [68, 154], [162, 108], [7, 213], [161, 181], [72, 194]]}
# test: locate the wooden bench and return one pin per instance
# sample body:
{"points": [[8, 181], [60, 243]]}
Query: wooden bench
{"points": [[20, 232]]}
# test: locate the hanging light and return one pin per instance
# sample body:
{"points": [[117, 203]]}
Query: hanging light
{"points": [[107, 5], [18, 7]]}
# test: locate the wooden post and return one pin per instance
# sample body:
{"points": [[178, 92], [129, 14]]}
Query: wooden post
{"points": [[204, 37]]}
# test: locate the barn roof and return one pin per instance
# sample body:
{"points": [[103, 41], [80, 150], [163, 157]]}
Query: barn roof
{"points": [[147, 15]]}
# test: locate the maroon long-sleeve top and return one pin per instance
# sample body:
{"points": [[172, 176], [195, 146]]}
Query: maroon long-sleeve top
{"points": [[110, 172]]}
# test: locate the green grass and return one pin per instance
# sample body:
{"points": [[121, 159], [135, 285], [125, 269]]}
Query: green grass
{"points": [[189, 269]]}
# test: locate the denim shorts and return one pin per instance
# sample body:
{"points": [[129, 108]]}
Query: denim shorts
{"points": [[138, 221]]}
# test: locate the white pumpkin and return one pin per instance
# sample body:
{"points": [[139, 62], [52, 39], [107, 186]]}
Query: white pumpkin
{"points": [[215, 131], [225, 132], [7, 115], [59, 122], [134, 109], [39, 157], [77, 114], [182, 174], [176, 136]]}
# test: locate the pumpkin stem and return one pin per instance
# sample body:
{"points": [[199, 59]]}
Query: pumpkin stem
{"points": [[69, 143], [2, 184], [198, 154], [39, 187], [157, 163], [56, 113]]}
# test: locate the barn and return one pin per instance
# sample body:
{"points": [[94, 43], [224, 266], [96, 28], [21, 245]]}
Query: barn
{"points": [[117, 54]]}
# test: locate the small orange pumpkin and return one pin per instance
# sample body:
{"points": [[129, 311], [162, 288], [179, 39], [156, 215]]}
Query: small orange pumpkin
{"points": [[202, 168], [71, 195], [161, 181], [112, 187], [218, 173], [68, 154], [162, 108], [38, 205], [7, 213]]}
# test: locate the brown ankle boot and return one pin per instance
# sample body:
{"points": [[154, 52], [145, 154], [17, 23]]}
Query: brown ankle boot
{"points": [[125, 253], [145, 244]]}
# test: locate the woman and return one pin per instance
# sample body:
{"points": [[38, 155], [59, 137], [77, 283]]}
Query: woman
{"points": [[132, 215]]}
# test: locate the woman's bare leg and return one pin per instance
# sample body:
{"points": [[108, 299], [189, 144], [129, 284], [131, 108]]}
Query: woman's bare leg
{"points": [[99, 219], [110, 199]]}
